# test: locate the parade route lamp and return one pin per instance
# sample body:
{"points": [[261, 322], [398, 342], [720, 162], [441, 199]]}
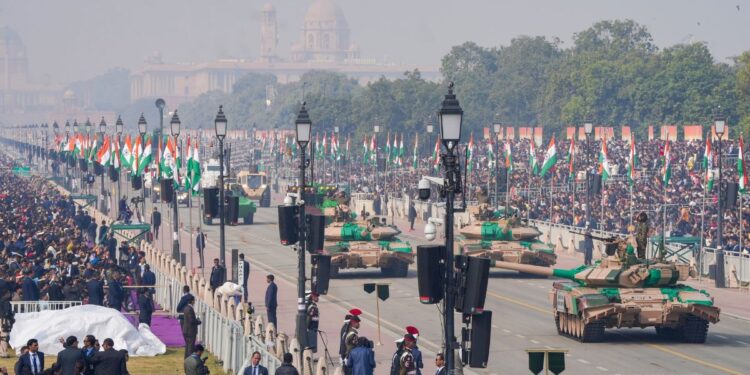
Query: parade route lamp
{"points": [[303, 129], [102, 130], [450, 118], [719, 129], [118, 129], [142, 128], [588, 128], [175, 128], [220, 126]]}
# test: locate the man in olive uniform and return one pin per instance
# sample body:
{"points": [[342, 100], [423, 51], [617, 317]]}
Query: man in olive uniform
{"points": [[313, 318], [641, 236], [407, 364], [349, 340]]}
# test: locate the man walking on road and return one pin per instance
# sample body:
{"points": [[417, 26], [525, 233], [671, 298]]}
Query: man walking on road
{"points": [[271, 302], [156, 222], [200, 244], [218, 275]]}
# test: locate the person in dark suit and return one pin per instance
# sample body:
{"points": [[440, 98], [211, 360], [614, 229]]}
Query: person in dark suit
{"points": [[246, 273], [156, 222], [31, 363], [145, 306], [271, 302], [109, 361], [149, 278], [68, 357], [95, 288], [21, 353], [286, 367], [90, 347], [70, 270], [218, 275], [255, 367], [112, 246], [200, 244], [116, 293], [184, 299], [29, 288], [102, 233], [190, 325], [440, 365]]}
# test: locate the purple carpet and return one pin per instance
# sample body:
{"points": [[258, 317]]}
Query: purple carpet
{"points": [[165, 328]]}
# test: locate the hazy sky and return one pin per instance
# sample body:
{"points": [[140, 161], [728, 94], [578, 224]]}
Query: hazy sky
{"points": [[69, 40]]}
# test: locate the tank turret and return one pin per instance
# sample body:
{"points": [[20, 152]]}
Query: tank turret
{"points": [[499, 231], [358, 231]]}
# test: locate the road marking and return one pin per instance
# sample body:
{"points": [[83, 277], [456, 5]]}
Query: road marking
{"points": [[520, 336], [655, 346], [585, 362], [534, 342], [693, 359], [741, 342], [602, 368], [506, 330], [494, 326], [721, 336]]}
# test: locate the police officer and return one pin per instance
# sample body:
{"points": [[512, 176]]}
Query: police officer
{"points": [[313, 318], [407, 364]]}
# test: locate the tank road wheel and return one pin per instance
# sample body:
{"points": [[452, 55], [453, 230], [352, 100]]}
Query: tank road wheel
{"points": [[694, 330], [563, 323], [593, 331], [334, 271], [558, 322]]}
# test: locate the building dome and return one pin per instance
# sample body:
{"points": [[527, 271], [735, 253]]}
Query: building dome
{"points": [[325, 13]]}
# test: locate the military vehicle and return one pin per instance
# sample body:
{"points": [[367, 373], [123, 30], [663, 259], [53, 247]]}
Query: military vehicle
{"points": [[504, 240], [256, 187], [366, 244], [623, 292]]}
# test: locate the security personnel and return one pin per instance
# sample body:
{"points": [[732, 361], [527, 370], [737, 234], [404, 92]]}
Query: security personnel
{"points": [[344, 330], [407, 364], [313, 318], [349, 339]]}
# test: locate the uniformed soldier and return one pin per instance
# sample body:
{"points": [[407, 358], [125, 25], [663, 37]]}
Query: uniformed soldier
{"points": [[313, 319], [349, 336], [407, 364], [641, 237]]}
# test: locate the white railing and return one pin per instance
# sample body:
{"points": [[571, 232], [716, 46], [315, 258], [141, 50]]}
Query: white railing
{"points": [[37, 306]]}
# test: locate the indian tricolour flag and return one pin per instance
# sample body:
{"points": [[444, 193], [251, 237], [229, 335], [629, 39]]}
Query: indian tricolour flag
{"points": [[126, 155], [742, 175], [708, 164], [533, 163], [550, 157], [167, 162], [632, 161], [414, 157], [194, 169], [604, 161], [103, 156], [146, 157], [666, 171], [508, 156], [436, 155]]}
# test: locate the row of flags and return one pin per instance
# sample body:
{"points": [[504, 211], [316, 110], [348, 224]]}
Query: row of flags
{"points": [[135, 155]]}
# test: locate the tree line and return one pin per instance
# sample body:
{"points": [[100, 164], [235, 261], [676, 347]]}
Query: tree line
{"points": [[612, 74]]}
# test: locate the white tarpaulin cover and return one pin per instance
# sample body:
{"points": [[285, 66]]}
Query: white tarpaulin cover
{"points": [[102, 322]]}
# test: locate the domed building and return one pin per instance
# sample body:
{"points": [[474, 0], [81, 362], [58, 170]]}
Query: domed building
{"points": [[325, 35]]}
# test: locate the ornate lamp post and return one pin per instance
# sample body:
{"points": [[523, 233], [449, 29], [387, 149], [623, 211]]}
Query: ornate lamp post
{"points": [[103, 192], [175, 128], [220, 125], [450, 118], [719, 129], [303, 128], [142, 129]]}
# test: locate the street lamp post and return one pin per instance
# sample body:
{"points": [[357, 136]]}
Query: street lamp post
{"points": [[720, 282], [450, 118], [220, 125], [496, 127], [160, 104], [336, 170], [118, 129], [102, 131], [303, 128], [175, 127], [588, 128], [376, 129], [142, 128]]}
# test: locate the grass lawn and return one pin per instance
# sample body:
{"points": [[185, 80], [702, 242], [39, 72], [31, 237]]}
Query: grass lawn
{"points": [[167, 364]]}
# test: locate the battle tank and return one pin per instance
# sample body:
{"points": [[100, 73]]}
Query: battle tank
{"points": [[623, 292], [504, 240], [365, 244]]}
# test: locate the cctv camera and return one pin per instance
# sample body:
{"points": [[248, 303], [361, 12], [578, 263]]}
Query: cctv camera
{"points": [[429, 231], [424, 189]]}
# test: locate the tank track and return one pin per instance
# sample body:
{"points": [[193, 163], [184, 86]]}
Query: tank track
{"points": [[572, 326], [694, 330]]}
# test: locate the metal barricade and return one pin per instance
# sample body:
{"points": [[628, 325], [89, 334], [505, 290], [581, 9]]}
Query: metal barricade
{"points": [[37, 306]]}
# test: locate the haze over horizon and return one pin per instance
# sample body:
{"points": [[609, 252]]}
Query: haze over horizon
{"points": [[75, 40]]}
